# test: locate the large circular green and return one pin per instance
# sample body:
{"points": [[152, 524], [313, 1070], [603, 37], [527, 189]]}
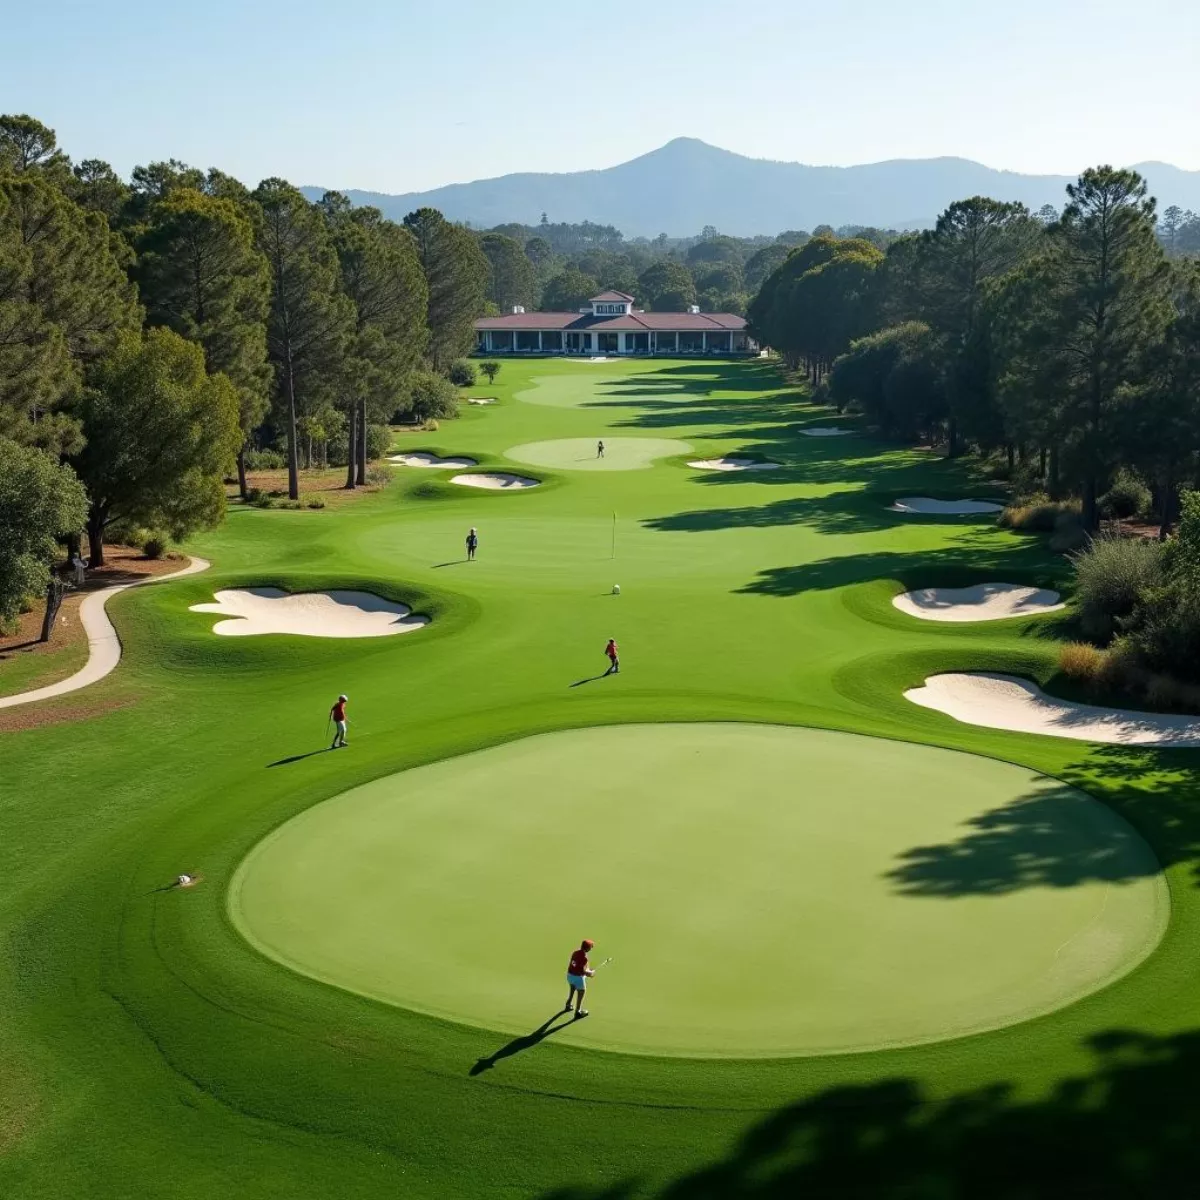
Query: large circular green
{"points": [[579, 454], [763, 890]]}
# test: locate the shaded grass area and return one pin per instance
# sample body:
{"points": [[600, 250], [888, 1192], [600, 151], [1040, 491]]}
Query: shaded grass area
{"points": [[144, 1042]]}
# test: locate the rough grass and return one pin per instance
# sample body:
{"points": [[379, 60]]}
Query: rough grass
{"points": [[169, 1057]]}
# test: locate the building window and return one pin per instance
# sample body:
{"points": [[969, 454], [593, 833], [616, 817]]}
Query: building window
{"points": [[552, 340], [607, 343], [527, 339], [691, 343], [502, 339], [637, 343]]}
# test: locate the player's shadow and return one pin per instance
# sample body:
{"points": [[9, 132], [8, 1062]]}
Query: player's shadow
{"points": [[525, 1042], [283, 762]]}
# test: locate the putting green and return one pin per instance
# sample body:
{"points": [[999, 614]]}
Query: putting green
{"points": [[765, 890], [579, 454]]}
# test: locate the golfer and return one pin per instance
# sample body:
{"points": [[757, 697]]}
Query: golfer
{"points": [[472, 544], [577, 977], [337, 714], [614, 658], [599, 449]]}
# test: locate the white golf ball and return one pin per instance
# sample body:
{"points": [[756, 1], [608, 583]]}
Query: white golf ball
{"points": [[616, 589]]}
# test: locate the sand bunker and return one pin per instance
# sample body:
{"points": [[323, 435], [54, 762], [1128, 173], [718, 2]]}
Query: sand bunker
{"points": [[928, 506], [983, 602], [335, 614], [482, 400], [731, 462], [500, 480], [420, 459], [827, 431], [1006, 702]]}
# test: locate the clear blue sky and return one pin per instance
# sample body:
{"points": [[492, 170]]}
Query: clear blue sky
{"points": [[395, 96]]}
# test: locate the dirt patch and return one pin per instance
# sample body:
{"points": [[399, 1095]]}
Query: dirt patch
{"points": [[328, 485], [125, 564], [38, 716]]}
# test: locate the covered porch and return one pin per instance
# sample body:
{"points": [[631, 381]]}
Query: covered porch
{"points": [[595, 342]]}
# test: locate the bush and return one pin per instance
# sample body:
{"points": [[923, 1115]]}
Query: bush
{"points": [[1127, 497], [258, 498], [126, 533], [1069, 533], [490, 369], [461, 373], [265, 460], [1082, 662], [430, 426], [315, 502], [155, 546], [1111, 575], [379, 476], [431, 395], [294, 505], [379, 442], [1037, 513]]}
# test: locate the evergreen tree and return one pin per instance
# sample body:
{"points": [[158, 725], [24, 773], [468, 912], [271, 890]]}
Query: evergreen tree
{"points": [[511, 279], [201, 274], [311, 320], [456, 274]]}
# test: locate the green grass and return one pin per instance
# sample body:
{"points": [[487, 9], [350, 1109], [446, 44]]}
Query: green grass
{"points": [[733, 869], [147, 1048]]}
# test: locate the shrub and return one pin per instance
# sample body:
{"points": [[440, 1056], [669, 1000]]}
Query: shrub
{"points": [[126, 533], [1082, 662], [490, 369], [1037, 513], [379, 442], [315, 502], [379, 476], [1111, 575], [430, 426], [265, 460], [1127, 497], [258, 498], [461, 373], [1167, 631], [431, 396], [290, 504], [155, 546], [1069, 533]]}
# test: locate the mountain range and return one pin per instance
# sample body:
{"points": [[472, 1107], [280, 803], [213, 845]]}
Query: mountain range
{"points": [[687, 184]]}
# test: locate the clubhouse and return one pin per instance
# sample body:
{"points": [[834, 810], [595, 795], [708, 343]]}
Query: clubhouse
{"points": [[610, 325]]}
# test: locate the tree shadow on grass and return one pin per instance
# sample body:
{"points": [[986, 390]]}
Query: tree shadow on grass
{"points": [[1126, 1129], [976, 558], [526, 1041], [1021, 845]]}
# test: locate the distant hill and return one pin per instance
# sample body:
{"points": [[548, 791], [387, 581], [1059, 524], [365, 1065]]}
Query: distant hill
{"points": [[687, 184]]}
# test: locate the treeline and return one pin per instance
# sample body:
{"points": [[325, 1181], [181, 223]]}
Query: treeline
{"points": [[557, 267], [1067, 343], [153, 330]]}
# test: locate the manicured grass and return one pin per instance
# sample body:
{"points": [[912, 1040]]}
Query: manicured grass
{"points": [[147, 1048], [754, 881]]}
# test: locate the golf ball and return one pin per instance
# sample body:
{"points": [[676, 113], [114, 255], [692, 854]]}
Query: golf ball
{"points": [[616, 589]]}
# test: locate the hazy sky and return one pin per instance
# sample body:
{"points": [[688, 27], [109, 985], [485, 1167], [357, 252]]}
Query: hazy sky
{"points": [[394, 95]]}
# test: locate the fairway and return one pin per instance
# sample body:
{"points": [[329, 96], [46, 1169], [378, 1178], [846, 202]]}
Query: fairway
{"points": [[581, 454], [838, 918], [762, 889]]}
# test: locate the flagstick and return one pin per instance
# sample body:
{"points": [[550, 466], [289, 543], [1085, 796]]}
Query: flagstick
{"points": [[614, 537]]}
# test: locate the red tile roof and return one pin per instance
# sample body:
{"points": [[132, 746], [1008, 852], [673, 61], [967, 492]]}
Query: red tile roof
{"points": [[641, 321], [612, 296]]}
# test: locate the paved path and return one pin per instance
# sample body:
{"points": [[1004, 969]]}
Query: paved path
{"points": [[104, 647]]}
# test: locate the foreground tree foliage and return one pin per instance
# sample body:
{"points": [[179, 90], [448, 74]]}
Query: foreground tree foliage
{"points": [[160, 433], [40, 501]]}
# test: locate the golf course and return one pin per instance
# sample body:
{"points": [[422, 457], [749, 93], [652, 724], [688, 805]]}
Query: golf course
{"points": [[846, 937]]}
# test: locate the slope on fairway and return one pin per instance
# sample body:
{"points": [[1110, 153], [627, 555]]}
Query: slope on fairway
{"points": [[765, 890], [579, 454]]}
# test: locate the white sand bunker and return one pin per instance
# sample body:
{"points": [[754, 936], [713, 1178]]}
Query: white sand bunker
{"points": [[983, 602], [731, 462], [928, 506], [496, 480], [827, 431], [421, 459], [482, 400], [1006, 702], [335, 614]]}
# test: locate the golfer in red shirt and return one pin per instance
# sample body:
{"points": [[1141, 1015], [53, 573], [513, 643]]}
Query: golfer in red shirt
{"points": [[337, 714], [614, 661], [577, 977]]}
